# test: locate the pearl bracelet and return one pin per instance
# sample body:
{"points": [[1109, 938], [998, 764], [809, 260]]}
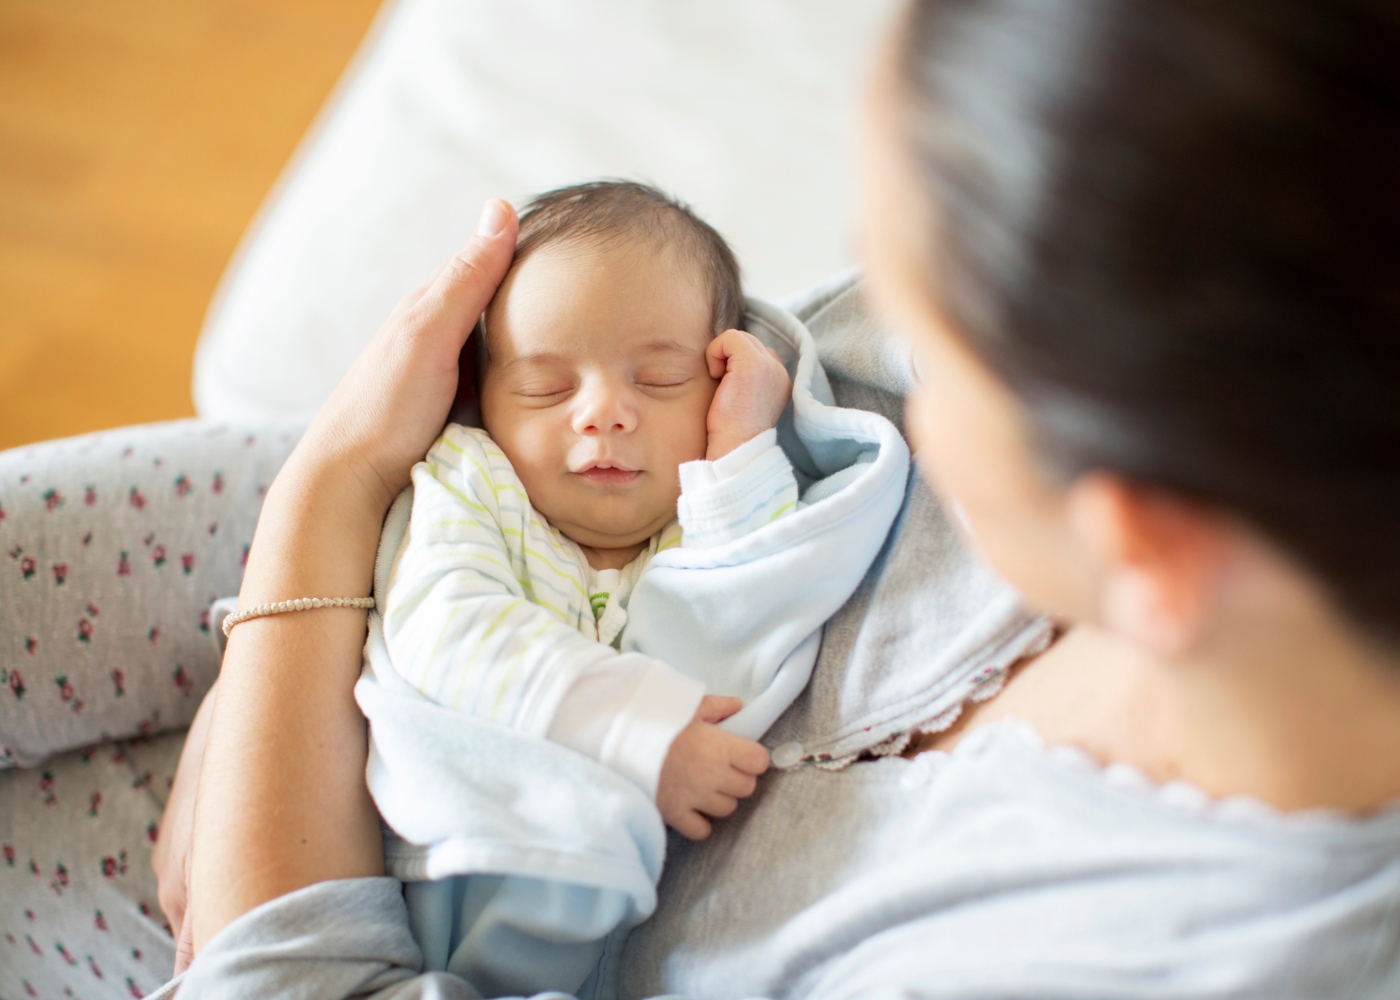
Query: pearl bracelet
{"points": [[300, 604]]}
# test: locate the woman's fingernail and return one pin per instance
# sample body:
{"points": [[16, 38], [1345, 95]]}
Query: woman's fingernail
{"points": [[493, 219]]}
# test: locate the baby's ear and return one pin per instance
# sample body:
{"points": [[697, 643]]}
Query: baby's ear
{"points": [[466, 405]]}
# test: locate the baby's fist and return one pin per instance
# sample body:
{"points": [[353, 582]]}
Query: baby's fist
{"points": [[754, 389], [708, 770]]}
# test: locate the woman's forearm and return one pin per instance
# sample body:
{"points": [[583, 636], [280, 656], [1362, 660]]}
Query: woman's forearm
{"points": [[282, 800]]}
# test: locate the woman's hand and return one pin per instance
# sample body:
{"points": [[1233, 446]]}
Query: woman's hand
{"points": [[282, 802], [392, 404], [171, 857]]}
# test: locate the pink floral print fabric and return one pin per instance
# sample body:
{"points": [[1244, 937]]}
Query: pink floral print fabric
{"points": [[113, 546]]}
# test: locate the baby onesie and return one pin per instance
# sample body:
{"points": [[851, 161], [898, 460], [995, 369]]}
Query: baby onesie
{"points": [[491, 611]]}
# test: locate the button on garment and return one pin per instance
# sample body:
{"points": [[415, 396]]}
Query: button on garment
{"points": [[787, 755]]}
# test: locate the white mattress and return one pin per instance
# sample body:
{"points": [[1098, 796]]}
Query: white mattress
{"points": [[744, 108]]}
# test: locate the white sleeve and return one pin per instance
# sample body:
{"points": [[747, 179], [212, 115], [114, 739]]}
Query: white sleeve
{"points": [[625, 713], [734, 495]]}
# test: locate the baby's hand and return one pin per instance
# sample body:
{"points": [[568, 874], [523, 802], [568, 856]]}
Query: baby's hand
{"points": [[753, 390], [707, 770]]}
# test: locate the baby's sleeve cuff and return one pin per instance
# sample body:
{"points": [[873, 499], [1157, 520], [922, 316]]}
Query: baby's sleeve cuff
{"points": [[625, 713], [734, 495], [662, 705]]}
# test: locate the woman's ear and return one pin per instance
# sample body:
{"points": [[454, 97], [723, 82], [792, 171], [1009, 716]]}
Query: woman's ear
{"points": [[1158, 560]]}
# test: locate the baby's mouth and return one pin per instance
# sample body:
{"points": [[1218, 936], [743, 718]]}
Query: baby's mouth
{"points": [[609, 475]]}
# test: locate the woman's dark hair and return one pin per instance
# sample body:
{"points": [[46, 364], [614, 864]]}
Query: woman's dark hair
{"points": [[1173, 226]]}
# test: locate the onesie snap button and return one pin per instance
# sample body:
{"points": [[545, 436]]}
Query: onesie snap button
{"points": [[787, 754]]}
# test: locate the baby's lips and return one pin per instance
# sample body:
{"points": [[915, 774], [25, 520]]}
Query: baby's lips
{"points": [[611, 476]]}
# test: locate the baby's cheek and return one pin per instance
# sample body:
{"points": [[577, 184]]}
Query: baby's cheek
{"points": [[535, 455]]}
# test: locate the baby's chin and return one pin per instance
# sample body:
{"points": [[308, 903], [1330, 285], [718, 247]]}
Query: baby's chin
{"points": [[612, 533]]}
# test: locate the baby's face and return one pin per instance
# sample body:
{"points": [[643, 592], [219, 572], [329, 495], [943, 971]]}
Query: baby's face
{"points": [[597, 387]]}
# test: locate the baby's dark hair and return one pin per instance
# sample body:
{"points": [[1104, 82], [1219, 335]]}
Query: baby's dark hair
{"points": [[609, 212]]}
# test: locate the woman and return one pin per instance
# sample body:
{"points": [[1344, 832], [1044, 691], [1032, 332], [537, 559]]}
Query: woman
{"points": [[1145, 253]]}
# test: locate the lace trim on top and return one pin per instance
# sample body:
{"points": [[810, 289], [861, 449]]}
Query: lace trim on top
{"points": [[981, 686], [1180, 795]]}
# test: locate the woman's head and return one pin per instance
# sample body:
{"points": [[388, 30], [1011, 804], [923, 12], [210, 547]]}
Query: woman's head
{"points": [[1171, 229]]}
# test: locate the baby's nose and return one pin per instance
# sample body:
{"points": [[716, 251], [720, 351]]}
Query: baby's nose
{"points": [[604, 409]]}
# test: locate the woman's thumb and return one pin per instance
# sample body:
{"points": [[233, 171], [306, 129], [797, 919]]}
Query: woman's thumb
{"points": [[462, 288]]}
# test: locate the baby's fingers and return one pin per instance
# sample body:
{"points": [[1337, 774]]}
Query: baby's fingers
{"points": [[721, 349], [748, 756], [692, 826], [717, 707], [718, 805], [738, 783]]}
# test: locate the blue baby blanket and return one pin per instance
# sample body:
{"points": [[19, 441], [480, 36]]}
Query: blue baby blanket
{"points": [[584, 846]]}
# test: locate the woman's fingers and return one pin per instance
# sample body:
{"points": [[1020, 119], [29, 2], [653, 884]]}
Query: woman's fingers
{"points": [[184, 944], [171, 857]]}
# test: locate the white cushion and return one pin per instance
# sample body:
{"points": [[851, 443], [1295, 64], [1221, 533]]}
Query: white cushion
{"points": [[744, 108]]}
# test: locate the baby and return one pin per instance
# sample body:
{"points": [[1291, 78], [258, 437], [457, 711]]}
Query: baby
{"points": [[609, 358], [624, 414]]}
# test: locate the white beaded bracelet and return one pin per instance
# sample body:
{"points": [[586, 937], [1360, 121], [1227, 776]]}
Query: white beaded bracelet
{"points": [[300, 604]]}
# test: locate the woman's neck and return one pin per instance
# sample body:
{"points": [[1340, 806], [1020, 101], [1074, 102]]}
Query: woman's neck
{"points": [[1297, 712]]}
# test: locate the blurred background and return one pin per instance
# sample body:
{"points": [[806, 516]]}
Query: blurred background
{"points": [[137, 140], [164, 253]]}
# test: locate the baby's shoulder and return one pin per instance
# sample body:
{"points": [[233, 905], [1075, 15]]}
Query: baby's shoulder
{"points": [[466, 458], [470, 448], [458, 438]]}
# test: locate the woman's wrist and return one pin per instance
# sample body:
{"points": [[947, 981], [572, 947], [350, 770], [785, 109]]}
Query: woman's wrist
{"points": [[318, 532]]}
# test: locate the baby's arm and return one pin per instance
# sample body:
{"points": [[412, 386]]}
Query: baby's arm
{"points": [[746, 480], [692, 768], [481, 611], [466, 624]]}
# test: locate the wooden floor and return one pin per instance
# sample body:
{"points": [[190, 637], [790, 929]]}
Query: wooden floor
{"points": [[137, 139]]}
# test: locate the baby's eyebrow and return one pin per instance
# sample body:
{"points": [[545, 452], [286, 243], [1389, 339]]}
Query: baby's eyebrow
{"points": [[667, 346], [533, 358], [545, 358]]}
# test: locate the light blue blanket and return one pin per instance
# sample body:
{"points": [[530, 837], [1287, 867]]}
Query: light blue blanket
{"points": [[559, 849]]}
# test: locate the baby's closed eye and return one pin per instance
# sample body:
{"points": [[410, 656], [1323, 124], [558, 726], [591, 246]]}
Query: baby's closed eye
{"points": [[666, 378], [543, 388]]}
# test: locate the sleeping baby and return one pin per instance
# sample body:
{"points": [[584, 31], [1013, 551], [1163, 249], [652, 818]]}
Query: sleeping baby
{"points": [[576, 595]]}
